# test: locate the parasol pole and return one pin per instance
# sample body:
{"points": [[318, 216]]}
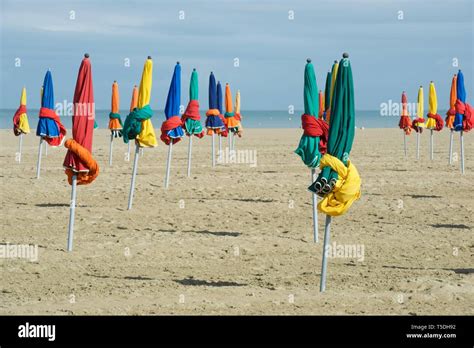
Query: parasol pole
{"points": [[461, 137], [128, 156], [233, 142], [38, 163], [142, 150], [451, 139], [327, 230], [220, 144], [111, 147], [45, 149], [168, 164], [190, 149], [20, 145], [431, 145], [134, 174], [72, 209], [315, 204], [405, 143], [417, 146], [212, 152]]}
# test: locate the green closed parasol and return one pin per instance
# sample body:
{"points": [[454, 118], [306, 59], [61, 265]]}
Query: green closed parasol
{"points": [[342, 126], [339, 181], [308, 148], [327, 95], [313, 141]]}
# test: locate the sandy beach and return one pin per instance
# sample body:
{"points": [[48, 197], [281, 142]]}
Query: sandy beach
{"points": [[238, 239]]}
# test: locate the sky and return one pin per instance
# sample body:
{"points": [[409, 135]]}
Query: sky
{"points": [[393, 46]]}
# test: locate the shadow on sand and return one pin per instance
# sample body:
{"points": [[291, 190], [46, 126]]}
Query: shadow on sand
{"points": [[460, 226], [218, 234], [199, 282]]}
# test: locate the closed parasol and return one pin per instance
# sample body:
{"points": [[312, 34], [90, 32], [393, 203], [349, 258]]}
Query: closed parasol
{"points": [[334, 69], [224, 132], [327, 95], [231, 122], [20, 123], [238, 115], [115, 122], [214, 123], [50, 128], [138, 124], [312, 144], [80, 166], [434, 122], [464, 118], [405, 121], [191, 118], [339, 180], [419, 122], [133, 105], [450, 116], [171, 130]]}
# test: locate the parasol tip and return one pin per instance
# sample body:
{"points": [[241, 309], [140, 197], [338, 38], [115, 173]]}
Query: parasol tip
{"points": [[149, 57], [335, 62], [86, 55], [115, 81], [308, 60], [194, 69], [345, 55], [177, 62]]}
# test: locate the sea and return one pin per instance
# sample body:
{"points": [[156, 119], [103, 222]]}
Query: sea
{"points": [[250, 118]]}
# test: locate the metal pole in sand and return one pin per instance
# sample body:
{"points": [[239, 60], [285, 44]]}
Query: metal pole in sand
{"points": [[462, 152], [451, 139], [315, 205], [327, 230], [20, 145], [417, 146], [190, 149], [405, 143], [213, 150], [45, 148], [128, 156], [220, 144], [431, 145], [111, 147], [229, 135], [72, 209], [168, 164], [142, 150], [40, 154], [134, 174]]}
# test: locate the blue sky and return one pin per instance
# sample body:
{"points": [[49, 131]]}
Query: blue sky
{"points": [[387, 54]]}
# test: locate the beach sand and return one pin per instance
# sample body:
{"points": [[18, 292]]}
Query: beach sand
{"points": [[238, 239]]}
